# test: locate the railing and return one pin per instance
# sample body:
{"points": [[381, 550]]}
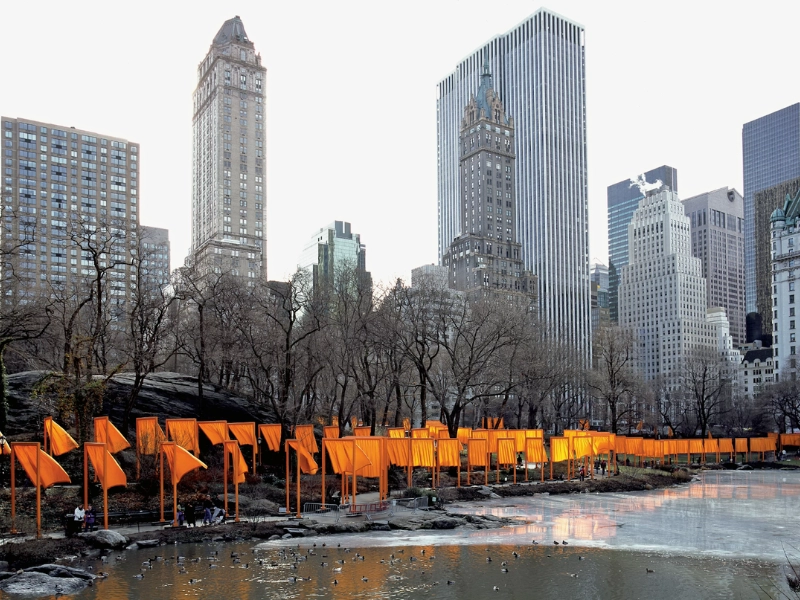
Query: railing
{"points": [[321, 510]]}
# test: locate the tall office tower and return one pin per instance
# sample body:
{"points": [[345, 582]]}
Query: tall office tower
{"points": [[539, 72], [623, 200], [69, 196], [228, 159], [599, 287], [764, 203], [718, 241], [662, 294], [155, 246], [784, 287], [433, 276], [333, 248], [770, 155], [486, 257]]}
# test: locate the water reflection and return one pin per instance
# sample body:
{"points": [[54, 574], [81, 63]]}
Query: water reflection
{"points": [[718, 538]]}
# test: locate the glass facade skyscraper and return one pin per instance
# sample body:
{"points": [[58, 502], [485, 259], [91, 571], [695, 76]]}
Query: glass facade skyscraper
{"points": [[770, 156], [623, 200], [538, 69]]}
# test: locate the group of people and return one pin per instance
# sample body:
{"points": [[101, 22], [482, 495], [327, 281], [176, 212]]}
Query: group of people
{"points": [[85, 517], [212, 514], [599, 465]]}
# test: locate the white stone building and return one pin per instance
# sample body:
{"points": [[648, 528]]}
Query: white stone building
{"points": [[662, 294], [229, 157], [785, 268]]}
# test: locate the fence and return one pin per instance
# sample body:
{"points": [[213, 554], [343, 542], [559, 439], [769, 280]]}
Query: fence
{"points": [[318, 509]]}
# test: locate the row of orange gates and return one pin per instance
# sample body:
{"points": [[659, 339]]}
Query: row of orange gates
{"points": [[362, 454]]}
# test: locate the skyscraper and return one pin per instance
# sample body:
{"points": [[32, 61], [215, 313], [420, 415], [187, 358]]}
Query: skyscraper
{"points": [[487, 258], [333, 248], [662, 294], [770, 155], [718, 241], [229, 160], [539, 71], [623, 200], [69, 196], [784, 287]]}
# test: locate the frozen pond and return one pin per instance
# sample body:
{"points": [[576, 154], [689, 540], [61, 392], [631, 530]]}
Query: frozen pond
{"points": [[720, 537]]}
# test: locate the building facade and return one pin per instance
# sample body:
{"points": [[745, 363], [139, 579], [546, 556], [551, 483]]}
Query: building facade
{"points": [[229, 158], [538, 70], [331, 249], [717, 219], [69, 196], [434, 276], [662, 295], [770, 155], [599, 287], [785, 289], [623, 200], [487, 256], [758, 372], [764, 204], [155, 258]]}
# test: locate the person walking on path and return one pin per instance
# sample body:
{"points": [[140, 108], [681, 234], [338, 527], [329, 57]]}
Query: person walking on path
{"points": [[89, 518], [582, 472], [603, 466]]}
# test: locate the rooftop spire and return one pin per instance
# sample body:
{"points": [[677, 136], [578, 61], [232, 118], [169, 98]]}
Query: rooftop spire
{"points": [[484, 88], [232, 30]]}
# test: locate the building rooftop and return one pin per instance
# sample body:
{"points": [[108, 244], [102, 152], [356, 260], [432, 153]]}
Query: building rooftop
{"points": [[232, 30], [760, 354]]}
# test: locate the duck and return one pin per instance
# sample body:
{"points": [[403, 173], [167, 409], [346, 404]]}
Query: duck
{"points": [[335, 582], [139, 576], [504, 570], [496, 589], [364, 579], [450, 582], [649, 570], [564, 543]]}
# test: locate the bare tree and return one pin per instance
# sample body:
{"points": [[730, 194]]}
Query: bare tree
{"points": [[706, 387], [782, 401], [613, 379]]}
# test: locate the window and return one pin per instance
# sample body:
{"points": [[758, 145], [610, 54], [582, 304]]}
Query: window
{"points": [[791, 298]]}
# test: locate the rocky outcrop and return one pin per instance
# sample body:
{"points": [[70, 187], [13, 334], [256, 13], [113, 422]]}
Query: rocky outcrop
{"points": [[105, 538], [164, 395], [47, 580]]}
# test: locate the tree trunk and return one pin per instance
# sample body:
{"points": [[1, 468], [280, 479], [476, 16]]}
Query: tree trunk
{"points": [[3, 389]]}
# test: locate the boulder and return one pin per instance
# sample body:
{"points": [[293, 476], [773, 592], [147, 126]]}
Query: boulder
{"points": [[274, 537], [41, 584], [3, 565], [105, 538], [60, 571], [147, 543], [446, 523]]}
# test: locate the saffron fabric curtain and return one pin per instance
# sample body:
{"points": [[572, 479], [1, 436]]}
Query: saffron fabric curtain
{"points": [[106, 433], [99, 456], [50, 472]]}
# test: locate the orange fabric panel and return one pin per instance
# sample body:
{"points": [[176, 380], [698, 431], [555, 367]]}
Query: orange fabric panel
{"points": [[371, 447], [184, 432], [773, 435], [422, 452], [149, 435], [634, 446], [571, 433], [304, 459], [272, 435], [683, 446], [534, 450], [534, 433], [180, 461], [582, 446], [330, 431], [494, 435], [245, 433], [464, 434], [50, 472], [519, 438], [649, 448], [481, 434], [506, 451], [449, 453], [115, 476], [363, 431], [559, 449], [741, 445], [696, 446], [305, 434], [398, 451], [766, 444], [726, 445], [341, 451], [105, 432], [602, 443], [407, 424], [60, 441], [397, 432], [711, 446], [238, 463], [790, 439], [493, 422], [477, 452], [443, 434], [420, 433], [216, 431], [620, 444], [4, 447]]}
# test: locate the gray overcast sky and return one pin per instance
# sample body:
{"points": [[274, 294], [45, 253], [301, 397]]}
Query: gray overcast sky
{"points": [[351, 121]]}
